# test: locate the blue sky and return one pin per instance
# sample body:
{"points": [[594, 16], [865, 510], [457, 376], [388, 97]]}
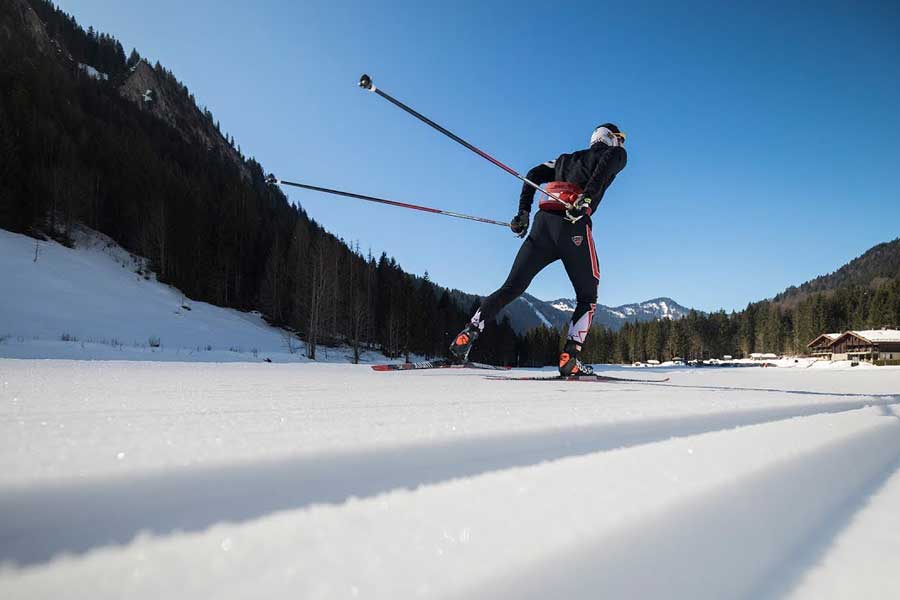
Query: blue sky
{"points": [[763, 138]]}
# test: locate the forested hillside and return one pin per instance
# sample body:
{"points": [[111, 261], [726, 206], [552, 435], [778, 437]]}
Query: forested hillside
{"points": [[876, 266], [156, 174]]}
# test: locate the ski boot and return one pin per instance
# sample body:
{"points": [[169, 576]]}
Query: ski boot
{"points": [[459, 349], [569, 365]]}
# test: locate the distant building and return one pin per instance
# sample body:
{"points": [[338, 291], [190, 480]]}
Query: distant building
{"points": [[871, 345], [821, 346], [761, 356]]}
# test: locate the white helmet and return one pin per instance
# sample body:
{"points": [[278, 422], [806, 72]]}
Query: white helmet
{"points": [[609, 134]]}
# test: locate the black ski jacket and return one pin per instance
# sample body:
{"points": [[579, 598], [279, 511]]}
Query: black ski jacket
{"points": [[593, 170]]}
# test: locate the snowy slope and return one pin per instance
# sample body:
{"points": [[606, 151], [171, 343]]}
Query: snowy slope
{"points": [[150, 480], [96, 297]]}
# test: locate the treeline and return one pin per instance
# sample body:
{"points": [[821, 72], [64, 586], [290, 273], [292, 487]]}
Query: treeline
{"points": [[768, 326], [73, 150], [99, 50], [330, 293]]}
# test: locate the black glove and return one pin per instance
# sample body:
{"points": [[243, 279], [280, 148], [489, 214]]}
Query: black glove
{"points": [[580, 208], [519, 223]]}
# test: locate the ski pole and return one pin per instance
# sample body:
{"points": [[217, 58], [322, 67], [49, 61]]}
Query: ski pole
{"points": [[365, 82], [383, 201]]}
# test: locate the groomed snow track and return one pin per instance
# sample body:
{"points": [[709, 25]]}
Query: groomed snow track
{"points": [[140, 480]]}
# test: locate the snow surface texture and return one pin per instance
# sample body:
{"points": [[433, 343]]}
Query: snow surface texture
{"points": [[168, 480], [98, 301]]}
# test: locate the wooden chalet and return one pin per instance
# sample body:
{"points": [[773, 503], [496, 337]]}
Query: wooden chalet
{"points": [[869, 345], [821, 346]]}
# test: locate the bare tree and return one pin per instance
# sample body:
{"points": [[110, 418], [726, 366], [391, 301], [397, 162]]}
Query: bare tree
{"points": [[321, 280], [358, 301], [273, 287], [395, 325], [290, 341]]}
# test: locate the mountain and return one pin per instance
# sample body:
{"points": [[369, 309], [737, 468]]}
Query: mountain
{"points": [[528, 312], [873, 268], [156, 91]]}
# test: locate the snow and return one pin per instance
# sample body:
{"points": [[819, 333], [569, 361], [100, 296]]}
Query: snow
{"points": [[859, 562], [539, 314], [879, 335], [148, 480], [108, 306], [666, 311], [194, 469], [563, 305], [660, 309], [92, 72]]}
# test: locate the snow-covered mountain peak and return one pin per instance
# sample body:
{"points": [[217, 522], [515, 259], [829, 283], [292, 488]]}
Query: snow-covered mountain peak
{"points": [[529, 312], [563, 304], [664, 308]]}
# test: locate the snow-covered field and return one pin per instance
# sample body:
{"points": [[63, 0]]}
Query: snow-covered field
{"points": [[189, 468], [97, 301], [248, 480]]}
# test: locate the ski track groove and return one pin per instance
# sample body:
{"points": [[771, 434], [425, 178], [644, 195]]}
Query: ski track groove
{"points": [[772, 524], [42, 521]]}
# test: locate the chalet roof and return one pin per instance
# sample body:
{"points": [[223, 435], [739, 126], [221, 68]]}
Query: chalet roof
{"points": [[878, 335], [830, 337], [874, 336]]}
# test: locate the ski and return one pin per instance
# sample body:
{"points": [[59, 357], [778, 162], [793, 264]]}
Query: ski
{"points": [[594, 378], [440, 363]]}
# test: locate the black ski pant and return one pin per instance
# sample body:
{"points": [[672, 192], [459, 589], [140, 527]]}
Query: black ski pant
{"points": [[552, 238]]}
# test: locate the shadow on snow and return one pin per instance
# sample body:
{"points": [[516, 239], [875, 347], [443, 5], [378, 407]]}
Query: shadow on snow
{"points": [[40, 522]]}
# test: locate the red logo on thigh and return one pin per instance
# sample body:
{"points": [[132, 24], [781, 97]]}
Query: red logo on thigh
{"points": [[577, 239]]}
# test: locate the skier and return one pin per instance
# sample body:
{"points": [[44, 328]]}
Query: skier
{"points": [[559, 233]]}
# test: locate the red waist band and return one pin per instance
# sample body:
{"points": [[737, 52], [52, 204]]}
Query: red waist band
{"points": [[567, 192]]}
